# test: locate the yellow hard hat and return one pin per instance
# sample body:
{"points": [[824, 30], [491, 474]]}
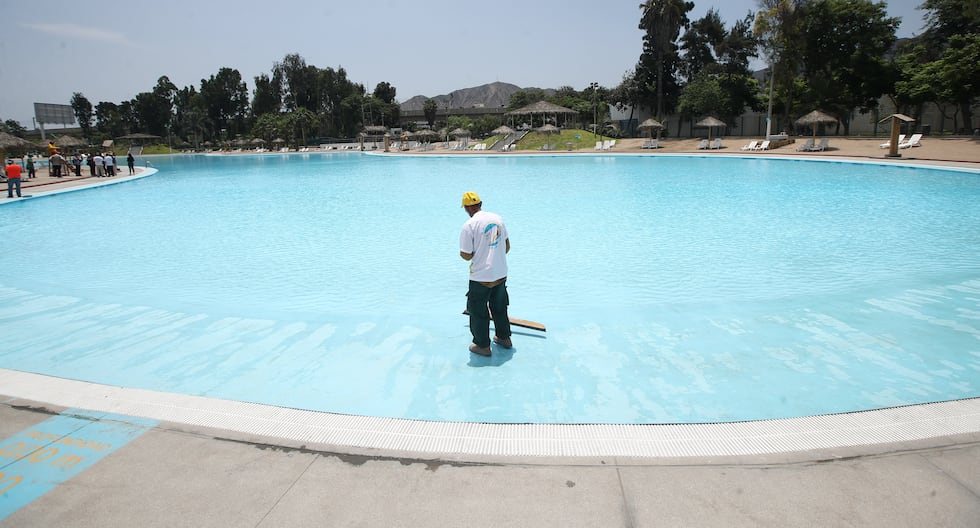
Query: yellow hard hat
{"points": [[470, 198]]}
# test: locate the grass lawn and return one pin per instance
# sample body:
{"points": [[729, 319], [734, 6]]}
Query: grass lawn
{"points": [[579, 139]]}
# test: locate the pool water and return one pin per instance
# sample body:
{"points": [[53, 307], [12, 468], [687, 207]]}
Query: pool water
{"points": [[675, 289]]}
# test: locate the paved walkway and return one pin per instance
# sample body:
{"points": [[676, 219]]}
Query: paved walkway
{"points": [[174, 475]]}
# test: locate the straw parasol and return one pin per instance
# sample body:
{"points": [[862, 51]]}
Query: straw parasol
{"points": [[548, 129], [814, 118], [70, 141], [542, 107], [459, 132], [502, 130], [375, 130], [12, 142], [425, 132], [649, 125], [709, 123]]}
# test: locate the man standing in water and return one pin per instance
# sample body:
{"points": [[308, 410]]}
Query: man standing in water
{"points": [[484, 243]]}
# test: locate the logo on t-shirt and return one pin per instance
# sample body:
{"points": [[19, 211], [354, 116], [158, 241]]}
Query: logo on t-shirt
{"points": [[492, 234]]}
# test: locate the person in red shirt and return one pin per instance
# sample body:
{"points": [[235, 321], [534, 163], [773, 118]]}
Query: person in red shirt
{"points": [[13, 178]]}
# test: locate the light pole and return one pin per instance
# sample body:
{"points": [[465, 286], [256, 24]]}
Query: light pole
{"points": [[595, 89]]}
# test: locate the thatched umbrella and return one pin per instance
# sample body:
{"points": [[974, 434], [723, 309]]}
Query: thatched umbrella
{"points": [[459, 132], [10, 142], [425, 132], [548, 129], [650, 125], [502, 130], [375, 130], [710, 122], [70, 141], [815, 118]]}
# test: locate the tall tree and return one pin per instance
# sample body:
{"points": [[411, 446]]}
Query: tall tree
{"points": [[717, 59], [298, 82], [226, 99], [429, 108], [333, 88], [385, 92], [110, 119], [628, 94], [700, 43], [845, 45], [777, 28], [952, 30], [661, 22], [266, 97], [302, 120], [153, 110], [82, 109]]}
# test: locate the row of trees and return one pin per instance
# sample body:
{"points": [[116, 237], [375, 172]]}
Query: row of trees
{"points": [[835, 55], [293, 103]]}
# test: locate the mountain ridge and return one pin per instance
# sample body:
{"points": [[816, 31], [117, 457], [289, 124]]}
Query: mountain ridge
{"points": [[488, 95]]}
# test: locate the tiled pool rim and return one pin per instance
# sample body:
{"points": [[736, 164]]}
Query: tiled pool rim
{"points": [[879, 427], [426, 439]]}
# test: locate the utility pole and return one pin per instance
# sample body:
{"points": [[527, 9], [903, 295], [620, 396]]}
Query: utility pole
{"points": [[595, 90]]}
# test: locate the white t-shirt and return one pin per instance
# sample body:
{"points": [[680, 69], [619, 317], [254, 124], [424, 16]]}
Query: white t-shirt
{"points": [[485, 236]]}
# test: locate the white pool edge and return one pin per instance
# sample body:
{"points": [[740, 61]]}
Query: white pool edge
{"points": [[461, 439]]}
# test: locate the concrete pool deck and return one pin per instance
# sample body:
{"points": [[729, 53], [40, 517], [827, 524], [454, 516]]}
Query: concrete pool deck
{"points": [[181, 473]]}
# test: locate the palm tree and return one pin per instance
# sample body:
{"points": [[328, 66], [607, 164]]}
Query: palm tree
{"points": [[662, 21], [303, 119]]}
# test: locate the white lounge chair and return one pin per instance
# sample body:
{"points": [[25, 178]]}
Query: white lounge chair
{"points": [[763, 146], [901, 138], [821, 146], [914, 141], [806, 146], [598, 145], [751, 145], [651, 144], [703, 144], [716, 144]]}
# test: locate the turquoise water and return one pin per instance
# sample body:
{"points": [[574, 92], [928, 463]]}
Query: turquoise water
{"points": [[675, 289]]}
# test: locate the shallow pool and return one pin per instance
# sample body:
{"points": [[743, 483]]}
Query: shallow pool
{"points": [[675, 289]]}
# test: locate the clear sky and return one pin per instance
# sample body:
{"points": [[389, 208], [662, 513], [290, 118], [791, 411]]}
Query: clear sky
{"points": [[110, 50]]}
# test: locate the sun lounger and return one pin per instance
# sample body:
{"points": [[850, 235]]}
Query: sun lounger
{"points": [[716, 144], [914, 141], [752, 145], [821, 146], [598, 145], [651, 144], [806, 146], [901, 138], [763, 146], [703, 144]]}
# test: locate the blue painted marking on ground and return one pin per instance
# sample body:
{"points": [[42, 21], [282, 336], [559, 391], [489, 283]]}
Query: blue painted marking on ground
{"points": [[42, 456]]}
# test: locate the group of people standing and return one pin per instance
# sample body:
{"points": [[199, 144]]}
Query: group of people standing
{"points": [[100, 165]]}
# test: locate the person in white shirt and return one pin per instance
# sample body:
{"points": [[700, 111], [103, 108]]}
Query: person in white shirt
{"points": [[484, 242], [110, 164]]}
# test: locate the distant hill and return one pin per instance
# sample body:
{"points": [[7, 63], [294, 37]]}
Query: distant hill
{"points": [[488, 95]]}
